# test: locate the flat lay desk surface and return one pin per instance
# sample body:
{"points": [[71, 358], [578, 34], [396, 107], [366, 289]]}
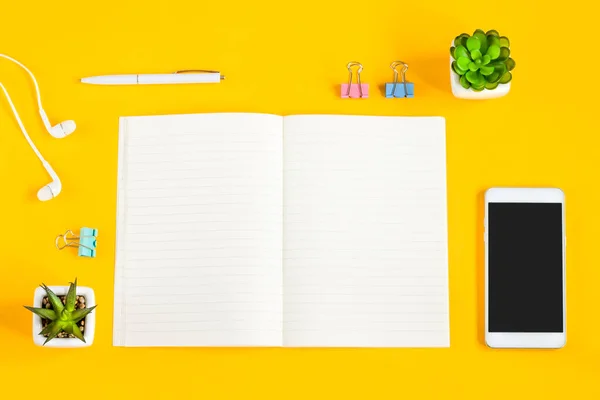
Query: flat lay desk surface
{"points": [[289, 58]]}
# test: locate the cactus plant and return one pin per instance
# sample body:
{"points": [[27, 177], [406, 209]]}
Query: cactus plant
{"points": [[62, 317], [482, 60]]}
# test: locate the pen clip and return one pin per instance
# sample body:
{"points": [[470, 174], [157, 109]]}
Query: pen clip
{"points": [[196, 71]]}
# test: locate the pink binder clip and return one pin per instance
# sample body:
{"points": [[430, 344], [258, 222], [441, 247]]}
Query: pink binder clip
{"points": [[359, 91]]}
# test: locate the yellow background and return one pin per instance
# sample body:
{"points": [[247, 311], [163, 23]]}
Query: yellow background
{"points": [[288, 58]]}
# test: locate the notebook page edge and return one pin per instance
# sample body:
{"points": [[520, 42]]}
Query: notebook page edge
{"points": [[118, 312]]}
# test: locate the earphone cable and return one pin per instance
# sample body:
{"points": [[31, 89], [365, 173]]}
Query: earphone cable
{"points": [[18, 118], [37, 88]]}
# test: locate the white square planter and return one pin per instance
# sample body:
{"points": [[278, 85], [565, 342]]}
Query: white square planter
{"points": [[90, 319], [470, 94]]}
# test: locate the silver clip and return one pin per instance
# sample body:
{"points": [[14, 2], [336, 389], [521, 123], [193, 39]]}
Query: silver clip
{"points": [[358, 71], [393, 66], [198, 71]]}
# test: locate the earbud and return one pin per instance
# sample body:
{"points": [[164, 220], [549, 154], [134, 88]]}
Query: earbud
{"points": [[63, 129], [58, 131], [52, 189]]}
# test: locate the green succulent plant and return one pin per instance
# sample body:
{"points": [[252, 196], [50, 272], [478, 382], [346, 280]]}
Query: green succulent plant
{"points": [[63, 317], [482, 60]]}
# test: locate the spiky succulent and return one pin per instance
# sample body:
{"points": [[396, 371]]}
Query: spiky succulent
{"points": [[62, 317], [482, 60]]}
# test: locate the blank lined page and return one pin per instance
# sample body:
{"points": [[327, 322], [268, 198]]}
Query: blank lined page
{"points": [[365, 232], [199, 246]]}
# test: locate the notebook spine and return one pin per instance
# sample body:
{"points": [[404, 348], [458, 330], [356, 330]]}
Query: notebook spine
{"points": [[119, 327]]}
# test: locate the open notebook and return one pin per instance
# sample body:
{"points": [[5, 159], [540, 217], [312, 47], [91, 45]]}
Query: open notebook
{"points": [[261, 230]]}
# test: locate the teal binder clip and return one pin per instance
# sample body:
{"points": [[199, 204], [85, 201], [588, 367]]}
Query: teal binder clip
{"points": [[399, 89], [85, 242]]}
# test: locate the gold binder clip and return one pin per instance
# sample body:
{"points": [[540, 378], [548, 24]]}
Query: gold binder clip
{"points": [[85, 242]]}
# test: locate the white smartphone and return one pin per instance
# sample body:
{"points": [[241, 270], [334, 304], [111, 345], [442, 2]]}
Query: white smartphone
{"points": [[525, 288]]}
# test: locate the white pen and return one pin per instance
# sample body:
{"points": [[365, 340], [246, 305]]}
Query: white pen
{"points": [[179, 77]]}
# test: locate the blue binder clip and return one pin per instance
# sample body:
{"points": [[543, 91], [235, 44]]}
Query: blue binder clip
{"points": [[399, 89], [85, 242]]}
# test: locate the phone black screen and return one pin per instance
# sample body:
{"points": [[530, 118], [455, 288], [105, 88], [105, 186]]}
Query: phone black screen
{"points": [[525, 267]]}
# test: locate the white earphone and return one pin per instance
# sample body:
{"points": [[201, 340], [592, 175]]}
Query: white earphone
{"points": [[61, 130]]}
